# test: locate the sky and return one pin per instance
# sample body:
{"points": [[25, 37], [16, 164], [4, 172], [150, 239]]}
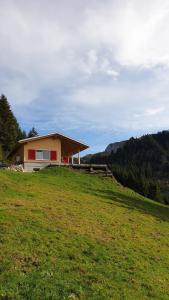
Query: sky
{"points": [[92, 69]]}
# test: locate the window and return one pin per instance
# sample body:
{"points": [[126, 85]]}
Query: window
{"points": [[46, 154], [42, 155], [39, 154]]}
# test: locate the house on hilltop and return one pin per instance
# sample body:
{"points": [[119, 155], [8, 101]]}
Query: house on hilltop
{"points": [[41, 151]]}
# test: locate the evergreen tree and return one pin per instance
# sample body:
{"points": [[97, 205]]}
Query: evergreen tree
{"points": [[32, 132], [22, 135], [9, 127], [1, 153]]}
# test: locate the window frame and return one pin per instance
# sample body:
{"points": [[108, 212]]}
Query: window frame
{"points": [[42, 151]]}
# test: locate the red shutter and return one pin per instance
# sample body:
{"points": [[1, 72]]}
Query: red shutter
{"points": [[31, 154], [53, 155]]}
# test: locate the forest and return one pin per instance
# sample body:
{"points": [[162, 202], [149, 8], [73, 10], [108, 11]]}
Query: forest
{"points": [[142, 164]]}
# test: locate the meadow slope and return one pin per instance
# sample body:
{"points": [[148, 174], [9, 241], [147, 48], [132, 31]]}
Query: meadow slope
{"points": [[67, 235]]}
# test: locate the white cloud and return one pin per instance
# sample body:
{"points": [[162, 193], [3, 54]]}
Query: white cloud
{"points": [[89, 64], [153, 111], [134, 31]]}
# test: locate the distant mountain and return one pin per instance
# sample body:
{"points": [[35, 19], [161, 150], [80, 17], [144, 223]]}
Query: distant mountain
{"points": [[111, 147], [115, 146]]}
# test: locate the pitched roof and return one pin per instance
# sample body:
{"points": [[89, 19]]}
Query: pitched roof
{"points": [[84, 146]]}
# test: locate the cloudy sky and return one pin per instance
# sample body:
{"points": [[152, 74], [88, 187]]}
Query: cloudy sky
{"points": [[96, 70]]}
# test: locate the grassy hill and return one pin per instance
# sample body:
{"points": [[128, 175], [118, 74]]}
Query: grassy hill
{"points": [[66, 235]]}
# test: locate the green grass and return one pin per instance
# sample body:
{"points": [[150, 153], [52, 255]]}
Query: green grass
{"points": [[67, 235]]}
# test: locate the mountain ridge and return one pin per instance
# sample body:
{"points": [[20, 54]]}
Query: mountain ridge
{"points": [[115, 146]]}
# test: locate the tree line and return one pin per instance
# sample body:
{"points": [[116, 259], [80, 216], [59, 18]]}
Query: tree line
{"points": [[10, 130]]}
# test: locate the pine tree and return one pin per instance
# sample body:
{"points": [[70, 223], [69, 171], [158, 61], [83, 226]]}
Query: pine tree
{"points": [[32, 132], [9, 127], [22, 134]]}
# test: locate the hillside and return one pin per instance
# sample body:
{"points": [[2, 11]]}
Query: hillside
{"points": [[141, 164], [67, 235]]}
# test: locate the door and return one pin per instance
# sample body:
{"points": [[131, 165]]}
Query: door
{"points": [[66, 159]]}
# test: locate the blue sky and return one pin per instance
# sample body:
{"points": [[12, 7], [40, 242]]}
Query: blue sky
{"points": [[95, 70]]}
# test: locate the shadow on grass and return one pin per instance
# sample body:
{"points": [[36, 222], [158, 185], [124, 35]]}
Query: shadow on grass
{"points": [[157, 210]]}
